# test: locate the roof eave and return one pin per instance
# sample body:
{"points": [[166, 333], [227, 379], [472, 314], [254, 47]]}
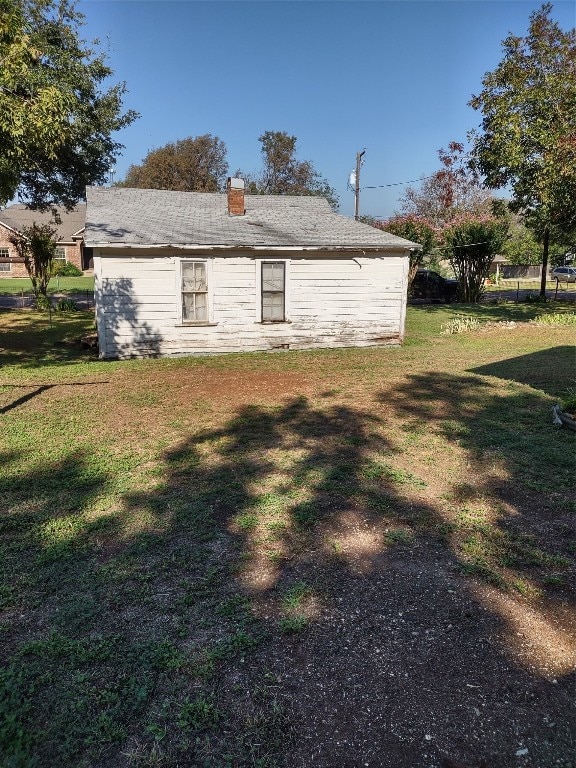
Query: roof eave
{"points": [[16, 232], [244, 247]]}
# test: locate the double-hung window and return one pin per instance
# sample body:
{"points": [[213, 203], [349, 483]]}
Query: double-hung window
{"points": [[5, 254], [194, 292], [60, 253], [273, 291]]}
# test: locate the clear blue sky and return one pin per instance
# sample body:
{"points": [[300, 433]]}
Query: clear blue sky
{"points": [[392, 77]]}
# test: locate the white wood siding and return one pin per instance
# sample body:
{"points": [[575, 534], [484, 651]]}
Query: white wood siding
{"points": [[348, 300]]}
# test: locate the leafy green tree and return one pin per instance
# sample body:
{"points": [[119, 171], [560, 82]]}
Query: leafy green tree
{"points": [[521, 247], [56, 116], [527, 139], [418, 230], [36, 245], [188, 165], [472, 243], [283, 174]]}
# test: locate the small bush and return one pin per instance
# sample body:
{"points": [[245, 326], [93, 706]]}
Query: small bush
{"points": [[557, 318], [66, 305], [66, 269], [460, 325], [535, 298]]}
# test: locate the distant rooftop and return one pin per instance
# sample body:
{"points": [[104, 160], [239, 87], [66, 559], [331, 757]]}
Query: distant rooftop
{"points": [[148, 217], [18, 217]]}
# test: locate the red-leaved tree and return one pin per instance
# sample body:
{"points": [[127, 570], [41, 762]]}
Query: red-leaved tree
{"points": [[451, 191]]}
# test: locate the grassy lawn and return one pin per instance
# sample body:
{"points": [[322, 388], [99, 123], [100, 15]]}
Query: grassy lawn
{"points": [[16, 285], [326, 558], [512, 284]]}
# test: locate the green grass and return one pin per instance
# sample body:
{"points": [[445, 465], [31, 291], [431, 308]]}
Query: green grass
{"points": [[293, 624], [38, 340], [162, 521], [16, 285], [400, 536], [511, 284]]}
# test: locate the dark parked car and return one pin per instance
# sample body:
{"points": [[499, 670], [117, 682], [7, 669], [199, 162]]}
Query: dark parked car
{"points": [[430, 286]]}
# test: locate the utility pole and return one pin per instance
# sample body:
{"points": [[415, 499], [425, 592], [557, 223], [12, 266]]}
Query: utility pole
{"points": [[359, 156]]}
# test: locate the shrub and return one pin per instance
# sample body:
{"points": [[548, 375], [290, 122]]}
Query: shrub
{"points": [[557, 318], [535, 298], [66, 269], [460, 325], [66, 305]]}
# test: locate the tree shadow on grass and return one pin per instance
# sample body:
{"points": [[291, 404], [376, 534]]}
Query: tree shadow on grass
{"points": [[518, 501], [269, 476], [288, 593], [42, 510], [34, 340], [505, 310], [319, 527], [550, 370], [25, 397], [35, 391]]}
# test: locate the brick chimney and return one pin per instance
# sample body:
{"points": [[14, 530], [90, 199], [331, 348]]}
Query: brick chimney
{"points": [[235, 189]]}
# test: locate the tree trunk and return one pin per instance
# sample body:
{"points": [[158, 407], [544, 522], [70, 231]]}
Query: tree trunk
{"points": [[546, 243]]}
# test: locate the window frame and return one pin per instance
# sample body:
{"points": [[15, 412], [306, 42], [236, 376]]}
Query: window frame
{"points": [[260, 263], [5, 254], [209, 293], [64, 256]]}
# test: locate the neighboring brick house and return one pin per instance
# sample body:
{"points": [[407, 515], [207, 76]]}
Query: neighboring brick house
{"points": [[69, 236]]}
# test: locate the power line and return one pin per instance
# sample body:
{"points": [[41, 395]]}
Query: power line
{"points": [[400, 183], [450, 247]]}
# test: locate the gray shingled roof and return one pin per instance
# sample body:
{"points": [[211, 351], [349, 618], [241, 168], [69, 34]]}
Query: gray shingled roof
{"points": [[146, 217], [18, 216]]}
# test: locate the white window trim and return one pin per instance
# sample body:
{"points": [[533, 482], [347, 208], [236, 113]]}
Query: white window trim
{"points": [[287, 305], [209, 263], [63, 258]]}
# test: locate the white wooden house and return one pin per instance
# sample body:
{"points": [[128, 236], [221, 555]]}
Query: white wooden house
{"points": [[182, 273]]}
